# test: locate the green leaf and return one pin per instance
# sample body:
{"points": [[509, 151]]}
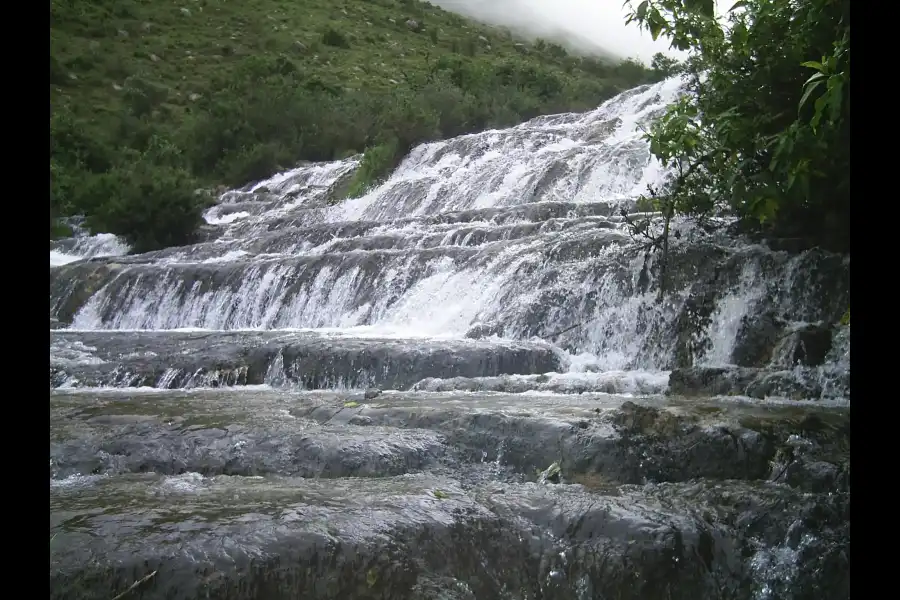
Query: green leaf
{"points": [[836, 97], [820, 108], [845, 320], [810, 88], [813, 64], [351, 404], [739, 34], [737, 5], [642, 10]]}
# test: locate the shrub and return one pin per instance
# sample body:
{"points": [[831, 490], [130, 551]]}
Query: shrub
{"points": [[333, 37], [150, 206], [377, 162]]}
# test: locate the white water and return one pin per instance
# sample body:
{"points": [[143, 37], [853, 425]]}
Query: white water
{"points": [[541, 250], [88, 246], [604, 160]]}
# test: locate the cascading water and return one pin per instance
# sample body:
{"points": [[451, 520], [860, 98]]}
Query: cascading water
{"points": [[492, 293], [514, 233], [86, 246]]}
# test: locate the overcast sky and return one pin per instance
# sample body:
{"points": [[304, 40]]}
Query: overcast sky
{"points": [[586, 22]]}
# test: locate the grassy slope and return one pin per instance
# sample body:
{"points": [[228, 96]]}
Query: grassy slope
{"points": [[187, 54], [103, 43]]}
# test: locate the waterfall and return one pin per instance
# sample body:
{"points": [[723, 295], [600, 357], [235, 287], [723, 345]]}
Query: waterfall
{"points": [[515, 234]]}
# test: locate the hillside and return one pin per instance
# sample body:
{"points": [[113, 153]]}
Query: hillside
{"points": [[150, 100]]}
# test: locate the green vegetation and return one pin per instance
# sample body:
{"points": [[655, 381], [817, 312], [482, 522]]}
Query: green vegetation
{"points": [[151, 100], [764, 130]]}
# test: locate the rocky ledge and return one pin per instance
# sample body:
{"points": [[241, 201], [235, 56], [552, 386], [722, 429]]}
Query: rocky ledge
{"points": [[255, 493], [178, 359]]}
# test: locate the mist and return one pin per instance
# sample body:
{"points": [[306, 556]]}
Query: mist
{"points": [[586, 26]]}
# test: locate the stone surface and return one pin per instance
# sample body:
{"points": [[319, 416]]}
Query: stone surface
{"points": [[806, 345], [756, 340], [309, 359]]}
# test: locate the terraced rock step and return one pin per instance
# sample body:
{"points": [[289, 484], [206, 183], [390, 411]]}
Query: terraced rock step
{"points": [[195, 494], [329, 434], [313, 360], [426, 537]]}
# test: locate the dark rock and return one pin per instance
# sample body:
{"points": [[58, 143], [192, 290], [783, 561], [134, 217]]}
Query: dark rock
{"points": [[392, 538], [756, 339], [807, 345], [691, 324], [784, 384], [72, 285], [208, 233], [483, 330], [814, 476], [711, 381], [372, 393]]}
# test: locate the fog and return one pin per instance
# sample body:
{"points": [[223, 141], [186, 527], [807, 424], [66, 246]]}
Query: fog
{"points": [[590, 26]]}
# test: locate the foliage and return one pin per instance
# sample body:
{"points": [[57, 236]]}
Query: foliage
{"points": [[763, 131], [235, 91], [665, 66], [376, 161]]}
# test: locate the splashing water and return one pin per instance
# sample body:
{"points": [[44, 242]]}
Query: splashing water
{"points": [[510, 234]]}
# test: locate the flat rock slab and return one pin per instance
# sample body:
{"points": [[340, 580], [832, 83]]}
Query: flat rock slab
{"points": [[177, 359], [406, 537], [258, 430]]}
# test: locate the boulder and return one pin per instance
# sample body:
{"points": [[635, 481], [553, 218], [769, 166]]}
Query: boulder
{"points": [[806, 345]]}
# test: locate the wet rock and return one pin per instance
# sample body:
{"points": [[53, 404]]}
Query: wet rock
{"points": [[353, 538], [552, 474], [328, 434], [312, 361], [783, 384], [756, 339], [483, 330], [73, 284], [806, 345], [711, 381], [476, 529], [372, 393], [815, 476], [208, 233], [110, 441], [691, 323]]}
